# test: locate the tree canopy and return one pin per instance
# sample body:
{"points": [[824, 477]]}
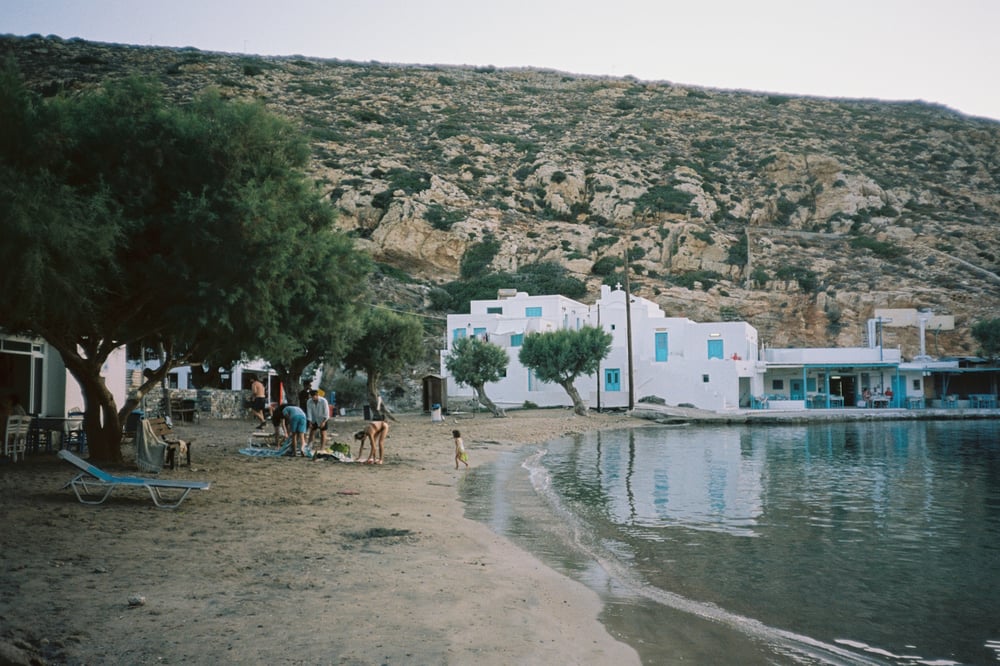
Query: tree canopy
{"points": [[563, 355], [475, 362], [389, 342], [130, 220], [987, 334]]}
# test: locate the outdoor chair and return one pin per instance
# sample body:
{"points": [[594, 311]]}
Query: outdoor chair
{"points": [[93, 481], [15, 438]]}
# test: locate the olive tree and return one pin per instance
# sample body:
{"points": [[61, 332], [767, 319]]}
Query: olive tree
{"points": [[388, 343], [474, 362], [563, 355]]}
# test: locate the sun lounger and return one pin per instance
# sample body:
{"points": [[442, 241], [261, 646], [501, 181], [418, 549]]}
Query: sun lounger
{"points": [[92, 481]]}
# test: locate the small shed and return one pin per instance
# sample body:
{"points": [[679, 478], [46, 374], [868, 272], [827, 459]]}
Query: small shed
{"points": [[435, 392]]}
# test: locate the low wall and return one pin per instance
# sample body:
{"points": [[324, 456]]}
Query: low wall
{"points": [[210, 403]]}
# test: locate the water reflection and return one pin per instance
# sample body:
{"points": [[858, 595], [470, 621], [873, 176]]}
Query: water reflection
{"points": [[882, 535]]}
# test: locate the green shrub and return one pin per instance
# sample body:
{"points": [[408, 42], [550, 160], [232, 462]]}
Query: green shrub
{"points": [[601, 242], [478, 257], [760, 277], [441, 218], [666, 199], [410, 182], [737, 255], [878, 248], [606, 265], [806, 279], [708, 279]]}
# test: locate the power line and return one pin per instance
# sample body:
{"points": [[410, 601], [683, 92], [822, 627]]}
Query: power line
{"points": [[409, 312]]}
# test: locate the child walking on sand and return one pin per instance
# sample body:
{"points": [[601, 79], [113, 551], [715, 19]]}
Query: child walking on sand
{"points": [[460, 454]]}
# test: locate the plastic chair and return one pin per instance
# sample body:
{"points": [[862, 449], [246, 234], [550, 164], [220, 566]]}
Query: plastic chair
{"points": [[15, 438]]}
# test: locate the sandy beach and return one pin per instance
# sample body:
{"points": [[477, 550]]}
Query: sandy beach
{"points": [[291, 561]]}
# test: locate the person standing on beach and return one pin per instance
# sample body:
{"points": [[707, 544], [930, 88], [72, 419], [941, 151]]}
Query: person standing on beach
{"points": [[257, 401], [295, 426], [460, 454], [375, 432], [318, 413]]}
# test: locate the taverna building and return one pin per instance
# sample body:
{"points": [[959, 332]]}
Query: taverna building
{"points": [[717, 366], [709, 365]]}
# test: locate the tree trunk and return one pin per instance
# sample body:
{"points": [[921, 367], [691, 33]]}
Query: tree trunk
{"points": [[486, 402], [579, 408], [100, 415], [375, 401], [153, 379]]}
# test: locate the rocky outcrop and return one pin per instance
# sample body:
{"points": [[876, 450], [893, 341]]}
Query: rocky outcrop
{"points": [[800, 215]]}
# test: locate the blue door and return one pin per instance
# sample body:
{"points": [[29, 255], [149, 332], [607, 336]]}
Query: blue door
{"points": [[715, 349], [661, 345], [612, 379], [795, 390]]}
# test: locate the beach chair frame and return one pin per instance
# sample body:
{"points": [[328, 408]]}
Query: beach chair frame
{"points": [[94, 486]]}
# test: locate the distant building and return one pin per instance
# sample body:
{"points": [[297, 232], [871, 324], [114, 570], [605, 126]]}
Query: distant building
{"points": [[33, 370], [716, 366], [712, 366]]}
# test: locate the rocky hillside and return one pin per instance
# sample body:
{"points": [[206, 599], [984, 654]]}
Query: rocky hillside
{"points": [[799, 215]]}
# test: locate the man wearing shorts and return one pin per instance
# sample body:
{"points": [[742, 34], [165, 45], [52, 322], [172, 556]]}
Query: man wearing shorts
{"points": [[317, 413], [295, 426], [258, 402]]}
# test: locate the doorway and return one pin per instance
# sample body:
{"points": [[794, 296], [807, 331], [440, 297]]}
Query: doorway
{"points": [[845, 386]]}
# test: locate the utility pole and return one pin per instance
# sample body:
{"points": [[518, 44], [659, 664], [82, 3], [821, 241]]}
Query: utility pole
{"points": [[628, 333], [599, 363]]}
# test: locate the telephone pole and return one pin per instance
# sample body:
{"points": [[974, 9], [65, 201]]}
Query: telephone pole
{"points": [[628, 333]]}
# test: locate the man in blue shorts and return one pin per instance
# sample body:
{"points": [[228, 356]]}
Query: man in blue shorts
{"points": [[295, 426]]}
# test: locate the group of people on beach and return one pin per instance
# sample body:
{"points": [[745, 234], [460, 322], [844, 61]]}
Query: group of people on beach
{"points": [[303, 424]]}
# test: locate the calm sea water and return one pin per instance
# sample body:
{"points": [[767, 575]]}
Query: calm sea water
{"points": [[838, 543]]}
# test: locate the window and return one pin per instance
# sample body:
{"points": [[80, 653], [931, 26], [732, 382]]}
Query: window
{"points": [[480, 333], [458, 334], [777, 384], [715, 349], [494, 310], [660, 344], [533, 312], [517, 340], [705, 379], [916, 384]]}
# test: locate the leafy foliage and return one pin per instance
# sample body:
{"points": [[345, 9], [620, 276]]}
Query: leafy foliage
{"points": [[664, 198], [441, 218], [474, 362], [196, 223], [987, 334], [477, 258], [388, 343], [563, 355], [534, 279]]}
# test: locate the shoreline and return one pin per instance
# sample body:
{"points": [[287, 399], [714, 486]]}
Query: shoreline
{"points": [[293, 561]]}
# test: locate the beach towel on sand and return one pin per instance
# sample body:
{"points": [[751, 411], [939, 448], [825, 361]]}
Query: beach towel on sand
{"points": [[260, 452]]}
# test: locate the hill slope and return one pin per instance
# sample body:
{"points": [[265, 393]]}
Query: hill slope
{"points": [[799, 215]]}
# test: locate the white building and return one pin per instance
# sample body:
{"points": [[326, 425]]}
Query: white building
{"points": [[712, 366], [716, 366], [33, 370]]}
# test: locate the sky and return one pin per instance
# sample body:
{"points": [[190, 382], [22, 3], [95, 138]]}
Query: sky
{"points": [[939, 51]]}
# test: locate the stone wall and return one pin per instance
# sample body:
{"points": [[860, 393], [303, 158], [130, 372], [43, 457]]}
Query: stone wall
{"points": [[210, 403]]}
